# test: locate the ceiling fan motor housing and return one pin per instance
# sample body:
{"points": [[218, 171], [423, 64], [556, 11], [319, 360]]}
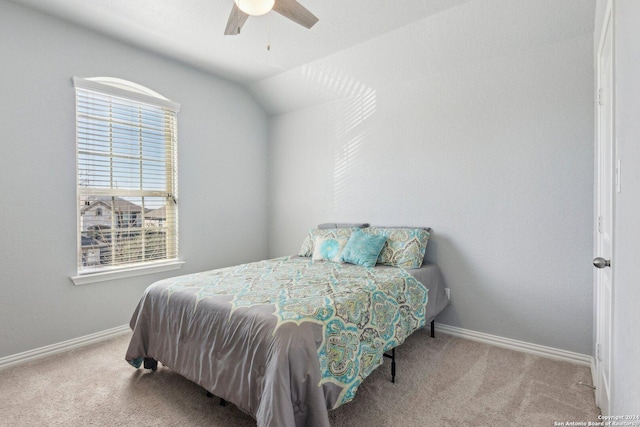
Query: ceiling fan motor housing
{"points": [[255, 7]]}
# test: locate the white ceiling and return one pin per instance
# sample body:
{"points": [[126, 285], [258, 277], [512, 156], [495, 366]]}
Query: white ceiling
{"points": [[191, 31]]}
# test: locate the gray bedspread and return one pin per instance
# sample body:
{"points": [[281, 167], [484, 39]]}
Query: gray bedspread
{"points": [[287, 339]]}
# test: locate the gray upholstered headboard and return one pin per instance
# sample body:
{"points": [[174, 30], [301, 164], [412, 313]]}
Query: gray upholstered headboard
{"points": [[328, 225]]}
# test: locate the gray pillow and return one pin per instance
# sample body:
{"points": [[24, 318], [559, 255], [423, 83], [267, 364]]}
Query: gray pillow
{"points": [[329, 225]]}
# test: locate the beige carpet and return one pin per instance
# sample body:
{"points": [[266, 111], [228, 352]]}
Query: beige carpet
{"points": [[446, 381]]}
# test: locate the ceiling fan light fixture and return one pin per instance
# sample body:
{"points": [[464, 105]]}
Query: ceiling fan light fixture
{"points": [[255, 7]]}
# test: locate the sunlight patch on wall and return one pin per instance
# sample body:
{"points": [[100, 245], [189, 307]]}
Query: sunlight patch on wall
{"points": [[352, 131], [352, 107], [332, 80]]}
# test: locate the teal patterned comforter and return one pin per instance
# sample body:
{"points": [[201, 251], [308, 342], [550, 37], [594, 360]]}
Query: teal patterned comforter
{"points": [[361, 313]]}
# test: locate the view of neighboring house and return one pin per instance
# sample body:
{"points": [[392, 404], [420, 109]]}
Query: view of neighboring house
{"points": [[155, 216], [111, 223], [107, 212]]}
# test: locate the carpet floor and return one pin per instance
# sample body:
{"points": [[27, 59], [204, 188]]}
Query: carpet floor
{"points": [[442, 381]]}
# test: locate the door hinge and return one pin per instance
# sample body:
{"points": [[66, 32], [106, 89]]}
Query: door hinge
{"points": [[599, 223], [598, 353], [599, 100]]}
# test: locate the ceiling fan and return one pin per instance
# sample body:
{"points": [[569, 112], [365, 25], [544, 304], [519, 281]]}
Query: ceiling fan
{"points": [[290, 9]]}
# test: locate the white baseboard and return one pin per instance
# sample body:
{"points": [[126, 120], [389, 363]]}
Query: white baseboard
{"points": [[540, 350], [60, 347]]}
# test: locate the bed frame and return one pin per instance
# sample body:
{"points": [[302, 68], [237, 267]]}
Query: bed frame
{"points": [[392, 356]]}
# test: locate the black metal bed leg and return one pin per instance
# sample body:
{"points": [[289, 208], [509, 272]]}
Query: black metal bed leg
{"points": [[150, 363], [392, 356], [393, 365], [222, 401], [433, 329]]}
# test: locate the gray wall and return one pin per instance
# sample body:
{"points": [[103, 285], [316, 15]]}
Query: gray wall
{"points": [[222, 175], [477, 122]]}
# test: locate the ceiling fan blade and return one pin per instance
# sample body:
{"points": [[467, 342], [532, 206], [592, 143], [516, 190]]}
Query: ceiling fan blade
{"points": [[237, 18], [296, 12]]}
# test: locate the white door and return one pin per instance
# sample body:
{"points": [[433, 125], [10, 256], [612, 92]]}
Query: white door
{"points": [[605, 153]]}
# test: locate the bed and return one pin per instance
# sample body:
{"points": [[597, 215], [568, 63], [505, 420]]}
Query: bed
{"points": [[285, 339]]}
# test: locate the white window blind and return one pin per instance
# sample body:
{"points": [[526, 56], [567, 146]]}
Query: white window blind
{"points": [[126, 139]]}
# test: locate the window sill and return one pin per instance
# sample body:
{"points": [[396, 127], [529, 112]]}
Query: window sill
{"points": [[86, 279]]}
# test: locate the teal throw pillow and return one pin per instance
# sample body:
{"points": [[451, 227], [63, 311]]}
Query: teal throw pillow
{"points": [[363, 248]]}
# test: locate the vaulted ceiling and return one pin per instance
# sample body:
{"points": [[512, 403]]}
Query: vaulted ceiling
{"points": [[191, 31], [357, 45]]}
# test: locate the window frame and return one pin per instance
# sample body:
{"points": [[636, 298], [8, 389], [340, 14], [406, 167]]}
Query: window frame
{"points": [[142, 97]]}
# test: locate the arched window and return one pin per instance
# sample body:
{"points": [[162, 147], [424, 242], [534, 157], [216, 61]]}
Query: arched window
{"points": [[126, 141]]}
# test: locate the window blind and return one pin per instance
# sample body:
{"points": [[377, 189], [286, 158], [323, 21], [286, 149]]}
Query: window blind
{"points": [[126, 143]]}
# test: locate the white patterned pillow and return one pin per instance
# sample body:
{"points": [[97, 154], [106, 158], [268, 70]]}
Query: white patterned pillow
{"points": [[327, 248], [339, 234]]}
